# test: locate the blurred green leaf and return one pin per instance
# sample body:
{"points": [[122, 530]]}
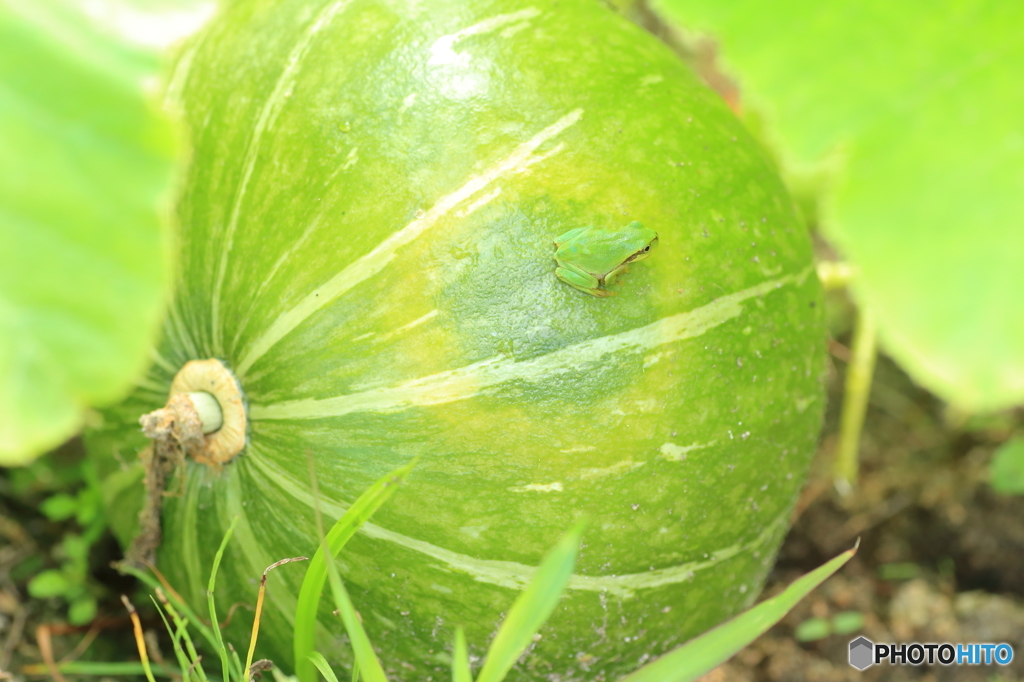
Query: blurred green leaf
{"points": [[1007, 472], [90, 506], [842, 623], [812, 630], [532, 608], [59, 507], [917, 108], [51, 583], [845, 622], [76, 548], [87, 161], [82, 610], [717, 645], [899, 570]]}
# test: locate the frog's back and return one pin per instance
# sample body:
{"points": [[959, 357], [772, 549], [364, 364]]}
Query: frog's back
{"points": [[570, 235], [605, 248]]}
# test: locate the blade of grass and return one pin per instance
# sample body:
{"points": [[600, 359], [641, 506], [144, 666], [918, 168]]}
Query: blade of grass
{"points": [[160, 587], [175, 634], [195, 667], [103, 669], [181, 626], [281, 677], [321, 664], [718, 645], [218, 640], [355, 671], [532, 608], [259, 611], [140, 641], [236, 664], [460, 658], [366, 657], [316, 575]]}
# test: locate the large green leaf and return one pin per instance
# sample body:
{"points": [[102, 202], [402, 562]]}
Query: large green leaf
{"points": [[86, 163], [922, 104]]}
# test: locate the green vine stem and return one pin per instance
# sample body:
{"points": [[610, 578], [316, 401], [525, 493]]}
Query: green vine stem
{"points": [[834, 274], [855, 401]]}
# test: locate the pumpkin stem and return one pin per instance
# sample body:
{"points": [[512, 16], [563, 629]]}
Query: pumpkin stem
{"points": [[205, 419], [160, 460], [215, 398], [181, 421]]}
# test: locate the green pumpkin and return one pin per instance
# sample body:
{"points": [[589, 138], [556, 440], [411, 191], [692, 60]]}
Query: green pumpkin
{"points": [[367, 230]]}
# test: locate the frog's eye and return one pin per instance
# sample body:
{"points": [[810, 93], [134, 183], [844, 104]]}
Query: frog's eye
{"points": [[647, 248]]}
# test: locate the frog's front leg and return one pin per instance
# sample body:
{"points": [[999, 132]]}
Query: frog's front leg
{"points": [[614, 274], [580, 279]]}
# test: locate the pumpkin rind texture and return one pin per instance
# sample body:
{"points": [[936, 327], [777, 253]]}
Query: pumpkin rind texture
{"points": [[367, 231]]}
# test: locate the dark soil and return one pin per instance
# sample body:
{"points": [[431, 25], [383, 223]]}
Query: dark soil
{"points": [[941, 557], [31, 543]]}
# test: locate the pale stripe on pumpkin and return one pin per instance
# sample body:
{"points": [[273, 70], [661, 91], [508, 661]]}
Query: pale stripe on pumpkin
{"points": [[314, 224], [272, 273], [249, 545], [405, 327], [376, 260], [268, 113], [485, 199], [677, 453], [182, 70], [623, 467], [187, 536], [173, 325], [153, 385], [555, 487], [512, 574], [162, 362], [442, 52], [471, 380]]}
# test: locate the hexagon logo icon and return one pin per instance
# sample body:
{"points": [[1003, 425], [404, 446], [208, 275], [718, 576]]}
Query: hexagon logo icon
{"points": [[862, 653]]}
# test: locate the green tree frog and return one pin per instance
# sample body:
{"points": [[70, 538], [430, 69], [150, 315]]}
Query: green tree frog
{"points": [[590, 258]]}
